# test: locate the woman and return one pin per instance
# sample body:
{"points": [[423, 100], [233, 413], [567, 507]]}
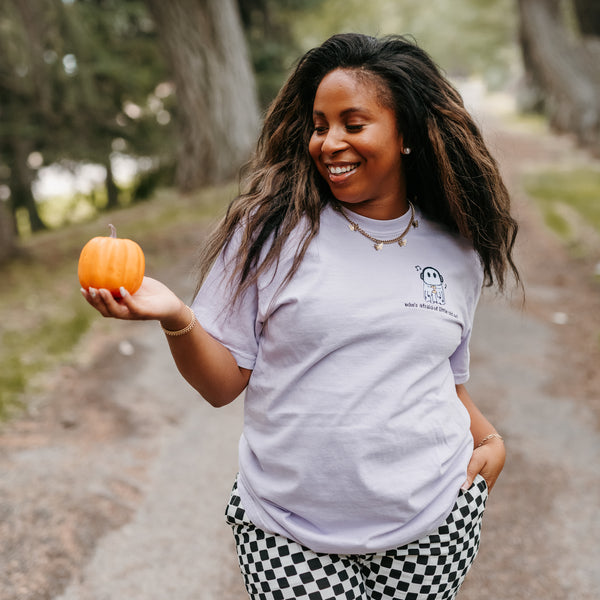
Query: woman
{"points": [[339, 293]]}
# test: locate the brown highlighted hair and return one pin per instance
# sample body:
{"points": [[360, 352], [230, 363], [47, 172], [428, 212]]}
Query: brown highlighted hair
{"points": [[450, 173]]}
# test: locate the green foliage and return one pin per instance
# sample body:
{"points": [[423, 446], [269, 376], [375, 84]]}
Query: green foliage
{"points": [[148, 182], [116, 67], [12, 384], [578, 189], [35, 350], [556, 221], [77, 80], [464, 36], [570, 203], [274, 47], [44, 318], [62, 210]]}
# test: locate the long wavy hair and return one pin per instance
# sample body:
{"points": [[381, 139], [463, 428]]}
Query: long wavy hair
{"points": [[450, 174]]}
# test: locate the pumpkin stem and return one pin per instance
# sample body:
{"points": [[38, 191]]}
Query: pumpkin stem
{"points": [[113, 230]]}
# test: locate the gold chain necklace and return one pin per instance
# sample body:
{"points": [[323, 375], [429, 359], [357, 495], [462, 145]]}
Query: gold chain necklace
{"points": [[378, 244]]}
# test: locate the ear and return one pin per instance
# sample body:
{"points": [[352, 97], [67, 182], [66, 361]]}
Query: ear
{"points": [[422, 275]]}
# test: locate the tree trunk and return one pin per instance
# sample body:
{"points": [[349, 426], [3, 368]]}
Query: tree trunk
{"points": [[112, 192], [21, 179], [7, 233], [217, 108], [561, 74], [588, 15]]}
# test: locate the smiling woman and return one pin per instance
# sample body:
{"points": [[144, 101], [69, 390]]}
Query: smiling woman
{"points": [[364, 463]]}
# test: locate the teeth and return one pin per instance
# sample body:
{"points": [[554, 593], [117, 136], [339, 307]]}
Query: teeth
{"points": [[340, 170]]}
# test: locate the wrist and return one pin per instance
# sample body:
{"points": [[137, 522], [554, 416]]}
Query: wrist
{"points": [[491, 438], [178, 319]]}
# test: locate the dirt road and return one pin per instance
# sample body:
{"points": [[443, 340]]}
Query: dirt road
{"points": [[114, 487]]}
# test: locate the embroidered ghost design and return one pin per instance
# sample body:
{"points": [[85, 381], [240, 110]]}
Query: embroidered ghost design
{"points": [[433, 286]]}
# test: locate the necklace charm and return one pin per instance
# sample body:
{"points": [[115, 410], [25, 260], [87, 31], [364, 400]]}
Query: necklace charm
{"points": [[378, 244]]}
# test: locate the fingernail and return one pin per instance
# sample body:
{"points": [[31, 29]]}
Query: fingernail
{"points": [[465, 486], [92, 292], [123, 291]]}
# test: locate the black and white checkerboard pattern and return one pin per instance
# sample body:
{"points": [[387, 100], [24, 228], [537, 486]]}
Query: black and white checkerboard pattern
{"points": [[432, 568]]}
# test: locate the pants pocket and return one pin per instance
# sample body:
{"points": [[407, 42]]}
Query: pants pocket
{"points": [[478, 492], [234, 511]]}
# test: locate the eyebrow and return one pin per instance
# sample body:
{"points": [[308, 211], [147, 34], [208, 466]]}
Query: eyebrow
{"points": [[318, 113]]}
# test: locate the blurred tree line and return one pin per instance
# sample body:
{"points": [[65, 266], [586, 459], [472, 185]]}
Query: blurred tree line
{"points": [[79, 80], [82, 80], [182, 83]]}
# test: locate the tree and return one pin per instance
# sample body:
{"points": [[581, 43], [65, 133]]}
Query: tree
{"points": [[25, 97], [7, 233], [75, 77], [217, 109], [560, 43], [273, 43], [588, 17], [117, 66]]}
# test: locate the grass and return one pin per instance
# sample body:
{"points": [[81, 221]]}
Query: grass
{"points": [[43, 314], [568, 199], [29, 351]]}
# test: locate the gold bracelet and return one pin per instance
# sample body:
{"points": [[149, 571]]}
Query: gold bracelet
{"points": [[489, 437], [186, 329]]}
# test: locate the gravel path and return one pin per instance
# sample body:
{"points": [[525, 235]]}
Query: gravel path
{"points": [[177, 544], [114, 487]]}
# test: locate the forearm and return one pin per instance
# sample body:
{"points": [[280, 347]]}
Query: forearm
{"points": [[208, 366], [204, 362], [480, 426], [489, 453]]}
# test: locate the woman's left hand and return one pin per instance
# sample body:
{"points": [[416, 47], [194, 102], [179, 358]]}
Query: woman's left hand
{"points": [[488, 461]]}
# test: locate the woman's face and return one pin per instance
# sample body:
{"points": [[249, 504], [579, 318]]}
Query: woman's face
{"points": [[356, 146]]}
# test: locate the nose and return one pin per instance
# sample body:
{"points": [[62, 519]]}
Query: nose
{"points": [[334, 141]]}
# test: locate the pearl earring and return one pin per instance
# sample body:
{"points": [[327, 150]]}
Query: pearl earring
{"points": [[406, 151]]}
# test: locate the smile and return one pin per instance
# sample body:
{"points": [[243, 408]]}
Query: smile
{"points": [[339, 170]]}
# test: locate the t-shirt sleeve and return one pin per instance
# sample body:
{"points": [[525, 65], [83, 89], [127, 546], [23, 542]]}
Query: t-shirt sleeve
{"points": [[233, 324], [459, 361]]}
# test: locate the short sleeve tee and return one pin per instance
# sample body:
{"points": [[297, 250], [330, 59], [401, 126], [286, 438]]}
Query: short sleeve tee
{"points": [[354, 438]]}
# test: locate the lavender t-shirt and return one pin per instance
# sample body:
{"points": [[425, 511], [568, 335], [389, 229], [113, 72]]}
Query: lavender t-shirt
{"points": [[354, 439]]}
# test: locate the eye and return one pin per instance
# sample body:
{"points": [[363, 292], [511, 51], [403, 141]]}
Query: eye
{"points": [[320, 129], [354, 128]]}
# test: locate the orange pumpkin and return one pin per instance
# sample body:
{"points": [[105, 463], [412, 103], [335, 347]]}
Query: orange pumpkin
{"points": [[111, 263]]}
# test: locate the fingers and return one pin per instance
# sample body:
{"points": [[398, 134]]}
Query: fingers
{"points": [[475, 466], [104, 302], [152, 301]]}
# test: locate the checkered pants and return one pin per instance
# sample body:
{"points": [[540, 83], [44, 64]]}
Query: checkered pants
{"points": [[432, 568]]}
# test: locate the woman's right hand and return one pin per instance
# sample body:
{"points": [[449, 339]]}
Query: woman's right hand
{"points": [[153, 300]]}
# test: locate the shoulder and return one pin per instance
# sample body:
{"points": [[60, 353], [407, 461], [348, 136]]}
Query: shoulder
{"points": [[454, 248], [444, 236]]}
